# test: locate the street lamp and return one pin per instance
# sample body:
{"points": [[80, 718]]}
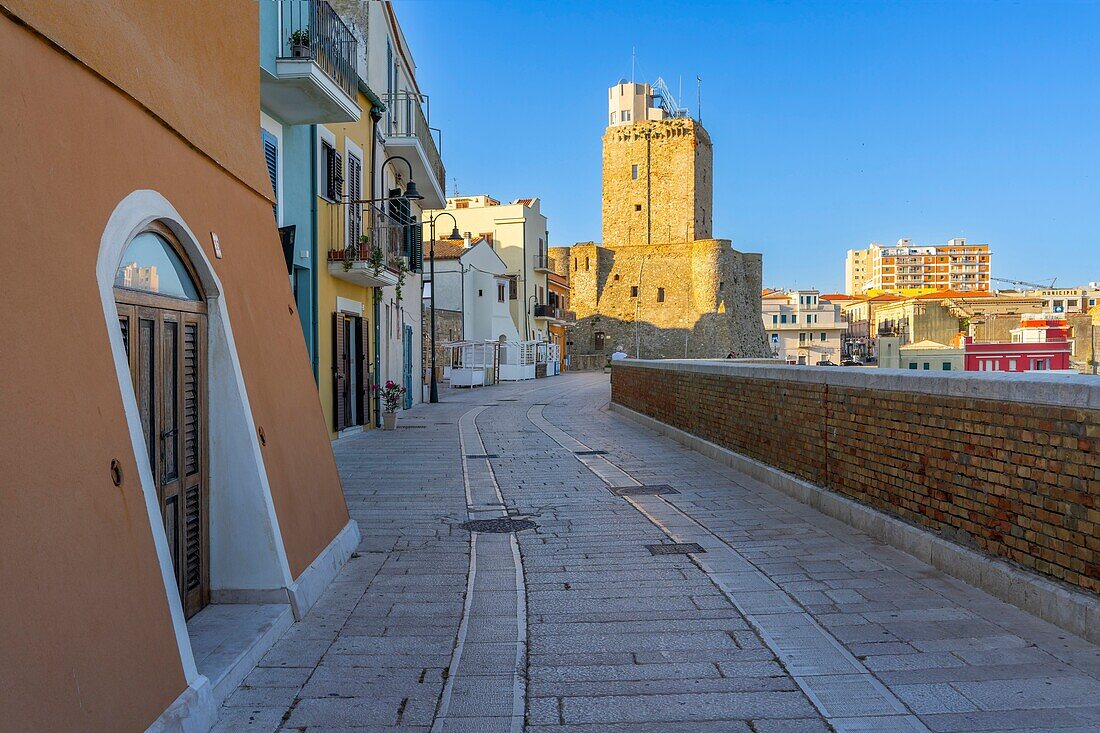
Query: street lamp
{"points": [[410, 193], [433, 390], [532, 303]]}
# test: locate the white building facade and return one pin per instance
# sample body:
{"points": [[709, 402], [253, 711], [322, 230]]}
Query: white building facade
{"points": [[802, 328]]}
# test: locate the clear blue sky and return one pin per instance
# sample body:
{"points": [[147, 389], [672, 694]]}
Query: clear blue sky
{"points": [[834, 124]]}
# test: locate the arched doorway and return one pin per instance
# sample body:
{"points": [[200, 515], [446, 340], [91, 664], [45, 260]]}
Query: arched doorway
{"points": [[162, 313]]}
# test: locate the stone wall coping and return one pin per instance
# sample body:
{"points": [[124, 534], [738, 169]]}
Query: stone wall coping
{"points": [[1080, 391]]}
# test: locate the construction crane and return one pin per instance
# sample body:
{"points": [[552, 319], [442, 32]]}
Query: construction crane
{"points": [[1037, 286]]}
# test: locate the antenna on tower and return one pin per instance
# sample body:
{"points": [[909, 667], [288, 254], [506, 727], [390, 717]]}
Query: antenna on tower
{"points": [[633, 60], [699, 98]]}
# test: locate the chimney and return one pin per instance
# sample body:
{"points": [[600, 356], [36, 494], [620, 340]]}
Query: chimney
{"points": [[466, 240]]}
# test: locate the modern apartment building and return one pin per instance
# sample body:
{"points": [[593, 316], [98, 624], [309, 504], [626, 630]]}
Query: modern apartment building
{"points": [[909, 269], [517, 233], [802, 328]]}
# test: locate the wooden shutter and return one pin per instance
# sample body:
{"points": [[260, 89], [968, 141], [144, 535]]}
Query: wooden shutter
{"points": [[339, 376], [363, 364], [196, 542], [271, 155], [416, 248], [355, 193]]}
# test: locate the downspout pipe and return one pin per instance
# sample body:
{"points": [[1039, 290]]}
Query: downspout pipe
{"points": [[313, 278]]}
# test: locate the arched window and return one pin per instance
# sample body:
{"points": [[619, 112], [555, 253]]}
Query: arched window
{"points": [[151, 264]]}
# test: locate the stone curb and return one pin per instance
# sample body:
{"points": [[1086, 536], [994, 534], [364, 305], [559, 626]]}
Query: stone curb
{"points": [[1076, 612]]}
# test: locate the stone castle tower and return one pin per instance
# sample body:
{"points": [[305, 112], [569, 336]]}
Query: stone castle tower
{"points": [[659, 285]]}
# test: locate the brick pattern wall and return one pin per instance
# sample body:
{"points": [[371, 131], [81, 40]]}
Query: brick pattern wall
{"points": [[1018, 480]]}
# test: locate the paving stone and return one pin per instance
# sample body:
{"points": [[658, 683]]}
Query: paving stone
{"points": [[622, 642]]}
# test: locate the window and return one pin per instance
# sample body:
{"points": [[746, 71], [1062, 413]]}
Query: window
{"points": [[355, 193], [586, 264], [1040, 364], [660, 295], [513, 289], [783, 318], [480, 292], [612, 121], [616, 277], [271, 155], [634, 172], [500, 293], [463, 204], [912, 365], [927, 366], [625, 116], [947, 366], [775, 320], [574, 264], [801, 337], [637, 207], [794, 318], [824, 336], [633, 291], [152, 264], [1011, 365], [334, 171], [721, 285]]}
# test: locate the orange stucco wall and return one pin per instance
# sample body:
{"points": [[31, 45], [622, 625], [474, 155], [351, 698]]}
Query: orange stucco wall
{"points": [[195, 64], [85, 634]]}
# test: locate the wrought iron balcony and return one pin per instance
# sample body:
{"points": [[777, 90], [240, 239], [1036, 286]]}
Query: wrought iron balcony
{"points": [[314, 78], [376, 258], [406, 124]]}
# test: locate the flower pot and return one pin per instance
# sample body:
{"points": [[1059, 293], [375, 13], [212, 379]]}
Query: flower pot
{"points": [[389, 420], [300, 51]]}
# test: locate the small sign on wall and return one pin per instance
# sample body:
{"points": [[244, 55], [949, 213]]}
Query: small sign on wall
{"points": [[217, 244]]}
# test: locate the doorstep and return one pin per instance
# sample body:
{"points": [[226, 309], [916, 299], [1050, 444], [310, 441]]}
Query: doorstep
{"points": [[229, 639]]}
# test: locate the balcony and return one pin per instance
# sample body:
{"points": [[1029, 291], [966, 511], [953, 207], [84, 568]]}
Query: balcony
{"points": [[543, 263], [314, 78], [406, 133], [375, 262]]}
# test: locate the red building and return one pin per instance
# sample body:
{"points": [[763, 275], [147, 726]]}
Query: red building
{"points": [[1041, 343]]}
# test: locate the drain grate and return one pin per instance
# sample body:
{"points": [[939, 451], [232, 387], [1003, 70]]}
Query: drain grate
{"points": [[410, 427], [675, 548], [590, 453], [502, 525], [482, 455], [648, 490]]}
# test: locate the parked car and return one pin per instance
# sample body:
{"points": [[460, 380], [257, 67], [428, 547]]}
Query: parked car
{"points": [[826, 362], [850, 362]]}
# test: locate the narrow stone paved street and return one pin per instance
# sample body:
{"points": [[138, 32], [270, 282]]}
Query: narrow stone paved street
{"points": [[786, 620]]}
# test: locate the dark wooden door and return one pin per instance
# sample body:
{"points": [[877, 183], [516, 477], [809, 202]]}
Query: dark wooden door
{"points": [[166, 349]]}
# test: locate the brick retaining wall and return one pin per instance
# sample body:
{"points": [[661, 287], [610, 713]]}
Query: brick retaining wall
{"points": [[1003, 463]]}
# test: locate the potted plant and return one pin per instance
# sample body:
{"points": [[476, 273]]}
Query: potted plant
{"points": [[351, 253], [299, 43], [376, 261], [399, 265], [393, 395]]}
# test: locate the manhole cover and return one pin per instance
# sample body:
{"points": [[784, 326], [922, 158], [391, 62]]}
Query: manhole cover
{"points": [[502, 525], [675, 548], [650, 490], [590, 453], [482, 455]]}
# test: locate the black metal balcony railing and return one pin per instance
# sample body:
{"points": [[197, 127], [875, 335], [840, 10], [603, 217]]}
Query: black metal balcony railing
{"points": [[405, 118], [311, 29], [386, 231], [542, 262]]}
